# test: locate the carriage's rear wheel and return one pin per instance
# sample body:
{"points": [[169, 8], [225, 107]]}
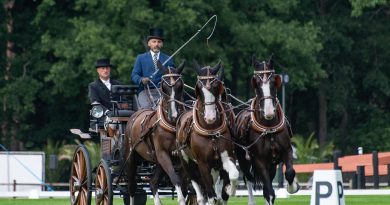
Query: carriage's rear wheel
{"points": [[80, 177], [103, 184]]}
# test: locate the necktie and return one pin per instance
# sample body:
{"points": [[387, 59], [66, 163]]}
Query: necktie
{"points": [[155, 60]]}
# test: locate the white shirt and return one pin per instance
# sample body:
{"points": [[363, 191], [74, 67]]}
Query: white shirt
{"points": [[106, 83], [152, 53]]}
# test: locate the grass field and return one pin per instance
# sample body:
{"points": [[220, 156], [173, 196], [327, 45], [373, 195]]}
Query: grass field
{"points": [[293, 200]]}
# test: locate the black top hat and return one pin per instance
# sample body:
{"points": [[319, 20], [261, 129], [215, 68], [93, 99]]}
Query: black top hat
{"points": [[103, 62], [156, 33]]}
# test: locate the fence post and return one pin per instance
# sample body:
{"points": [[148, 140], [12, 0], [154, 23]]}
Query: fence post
{"points": [[388, 174], [14, 186], [361, 177], [354, 181], [375, 169], [336, 156]]}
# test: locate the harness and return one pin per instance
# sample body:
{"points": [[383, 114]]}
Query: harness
{"points": [[204, 132], [163, 122], [261, 128]]}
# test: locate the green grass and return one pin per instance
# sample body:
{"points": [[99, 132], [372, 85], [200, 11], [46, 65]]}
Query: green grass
{"points": [[293, 200]]}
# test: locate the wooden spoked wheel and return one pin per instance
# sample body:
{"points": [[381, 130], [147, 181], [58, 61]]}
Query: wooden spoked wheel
{"points": [[103, 184], [80, 177]]}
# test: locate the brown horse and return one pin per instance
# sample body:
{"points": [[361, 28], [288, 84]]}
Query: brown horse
{"points": [[265, 134], [204, 139], [151, 134]]}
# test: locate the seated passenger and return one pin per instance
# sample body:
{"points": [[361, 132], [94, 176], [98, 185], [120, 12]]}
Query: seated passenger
{"points": [[99, 90]]}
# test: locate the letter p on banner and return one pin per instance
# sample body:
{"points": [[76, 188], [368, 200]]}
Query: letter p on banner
{"points": [[327, 188]]}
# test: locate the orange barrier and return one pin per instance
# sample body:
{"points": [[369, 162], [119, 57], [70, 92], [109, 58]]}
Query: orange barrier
{"points": [[350, 163]]}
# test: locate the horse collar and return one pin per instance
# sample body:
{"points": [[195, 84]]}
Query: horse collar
{"points": [[163, 122], [260, 128], [201, 131]]}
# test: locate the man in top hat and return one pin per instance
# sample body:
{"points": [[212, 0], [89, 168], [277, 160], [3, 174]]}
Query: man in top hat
{"points": [[145, 69], [99, 90]]}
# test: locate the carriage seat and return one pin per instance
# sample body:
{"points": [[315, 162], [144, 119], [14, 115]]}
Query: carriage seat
{"points": [[124, 89], [120, 113]]}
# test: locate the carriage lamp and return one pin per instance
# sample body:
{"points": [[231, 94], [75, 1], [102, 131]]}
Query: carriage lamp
{"points": [[97, 111], [285, 78]]}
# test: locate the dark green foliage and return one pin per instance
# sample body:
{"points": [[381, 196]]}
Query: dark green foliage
{"points": [[338, 46]]}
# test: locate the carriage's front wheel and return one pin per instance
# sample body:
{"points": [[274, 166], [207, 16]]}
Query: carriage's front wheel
{"points": [[80, 177], [103, 184]]}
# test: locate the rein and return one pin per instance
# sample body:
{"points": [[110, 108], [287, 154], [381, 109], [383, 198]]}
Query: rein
{"points": [[189, 40]]}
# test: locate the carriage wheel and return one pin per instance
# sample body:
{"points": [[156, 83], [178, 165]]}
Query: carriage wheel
{"points": [[103, 184], [80, 177]]}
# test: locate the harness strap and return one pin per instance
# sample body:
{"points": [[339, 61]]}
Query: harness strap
{"points": [[261, 128], [163, 122], [204, 132]]}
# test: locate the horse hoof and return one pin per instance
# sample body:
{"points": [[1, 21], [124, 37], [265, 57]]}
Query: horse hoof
{"points": [[294, 188], [181, 202], [212, 201]]}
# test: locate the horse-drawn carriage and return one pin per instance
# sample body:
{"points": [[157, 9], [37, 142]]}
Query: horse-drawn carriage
{"points": [[107, 126], [205, 137]]}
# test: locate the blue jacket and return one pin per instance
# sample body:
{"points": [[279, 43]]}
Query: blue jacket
{"points": [[144, 67]]}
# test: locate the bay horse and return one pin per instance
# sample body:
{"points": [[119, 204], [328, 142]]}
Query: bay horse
{"points": [[204, 139], [151, 134], [265, 134]]}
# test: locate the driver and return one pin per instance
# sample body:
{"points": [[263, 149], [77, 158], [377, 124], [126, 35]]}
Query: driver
{"points": [[145, 71]]}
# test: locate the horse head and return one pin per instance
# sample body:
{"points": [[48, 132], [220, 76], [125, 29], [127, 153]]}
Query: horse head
{"points": [[208, 90], [265, 83], [172, 89]]}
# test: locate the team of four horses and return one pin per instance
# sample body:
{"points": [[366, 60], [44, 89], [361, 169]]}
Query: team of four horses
{"points": [[199, 144]]}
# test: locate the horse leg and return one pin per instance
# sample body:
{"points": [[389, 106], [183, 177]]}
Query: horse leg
{"points": [[205, 173], [231, 168], [131, 175], [154, 184], [226, 182], [190, 169], [251, 197], [292, 185], [166, 163], [268, 191], [218, 184]]}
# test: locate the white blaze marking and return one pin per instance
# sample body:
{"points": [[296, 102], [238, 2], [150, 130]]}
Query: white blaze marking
{"points": [[173, 107], [229, 166], [199, 195], [269, 109], [210, 111]]}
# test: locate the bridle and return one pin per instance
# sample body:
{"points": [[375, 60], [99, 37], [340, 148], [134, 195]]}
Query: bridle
{"points": [[259, 74], [210, 80], [172, 82]]}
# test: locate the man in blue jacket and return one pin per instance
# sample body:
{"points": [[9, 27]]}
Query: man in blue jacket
{"points": [[145, 72]]}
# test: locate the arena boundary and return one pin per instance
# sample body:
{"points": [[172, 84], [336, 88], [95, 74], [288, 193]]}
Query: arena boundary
{"points": [[280, 193]]}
